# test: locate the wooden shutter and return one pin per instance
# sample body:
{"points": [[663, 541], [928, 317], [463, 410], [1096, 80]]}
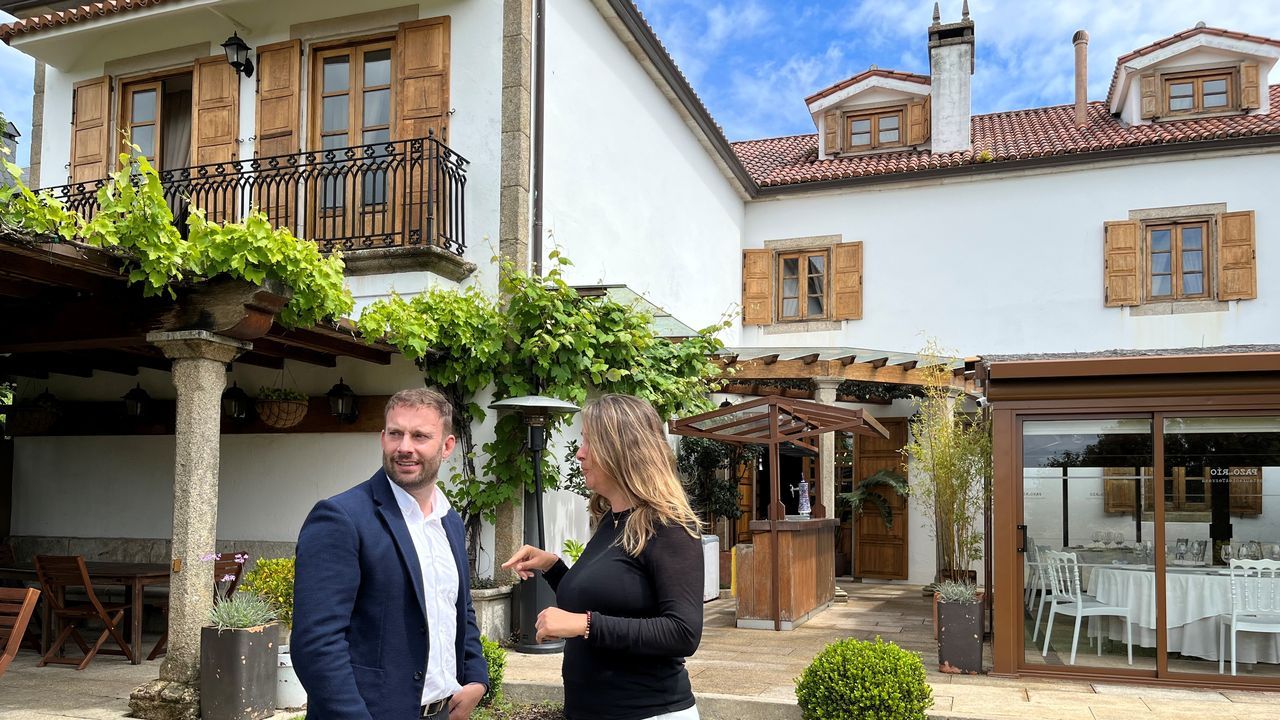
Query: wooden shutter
{"points": [[1122, 273], [279, 82], [215, 112], [757, 287], [1237, 257], [422, 98], [1150, 88], [1250, 96], [91, 146], [917, 122], [846, 281], [831, 132]]}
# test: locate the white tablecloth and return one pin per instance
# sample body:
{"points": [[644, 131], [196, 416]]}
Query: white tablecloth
{"points": [[1195, 599]]}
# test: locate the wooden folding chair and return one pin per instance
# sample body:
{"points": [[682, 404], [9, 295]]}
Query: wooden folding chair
{"points": [[16, 607], [57, 573], [224, 565]]}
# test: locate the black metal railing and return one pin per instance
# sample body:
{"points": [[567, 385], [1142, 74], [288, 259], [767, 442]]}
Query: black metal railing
{"points": [[402, 193]]}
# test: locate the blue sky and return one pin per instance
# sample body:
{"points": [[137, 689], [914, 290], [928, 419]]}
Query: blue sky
{"points": [[754, 61]]}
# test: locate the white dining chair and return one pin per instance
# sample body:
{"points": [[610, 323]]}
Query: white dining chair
{"points": [[1255, 604], [1039, 585], [1067, 598]]}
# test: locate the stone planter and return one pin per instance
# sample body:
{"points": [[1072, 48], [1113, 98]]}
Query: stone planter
{"points": [[493, 611], [238, 672], [960, 637], [737, 388]]}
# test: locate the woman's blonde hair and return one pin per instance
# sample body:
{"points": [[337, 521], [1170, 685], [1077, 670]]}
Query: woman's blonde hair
{"points": [[626, 441]]}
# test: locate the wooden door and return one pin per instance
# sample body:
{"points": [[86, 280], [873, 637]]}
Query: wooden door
{"points": [[880, 551]]}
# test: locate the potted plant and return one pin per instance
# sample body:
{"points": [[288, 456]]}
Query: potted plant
{"points": [[272, 580], [281, 407], [861, 679], [492, 602], [958, 618], [238, 659]]}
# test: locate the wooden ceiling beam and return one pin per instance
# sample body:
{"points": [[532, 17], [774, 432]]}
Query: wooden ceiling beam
{"points": [[259, 360], [333, 344], [275, 348]]}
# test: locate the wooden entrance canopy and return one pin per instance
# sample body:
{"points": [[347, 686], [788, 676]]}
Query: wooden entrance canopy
{"points": [[773, 421]]}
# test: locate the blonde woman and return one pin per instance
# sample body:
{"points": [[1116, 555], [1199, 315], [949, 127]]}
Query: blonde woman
{"points": [[630, 608]]}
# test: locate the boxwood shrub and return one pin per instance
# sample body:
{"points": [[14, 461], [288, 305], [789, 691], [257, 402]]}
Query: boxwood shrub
{"points": [[861, 680]]}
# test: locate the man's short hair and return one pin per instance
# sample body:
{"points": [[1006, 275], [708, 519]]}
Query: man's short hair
{"points": [[424, 397]]}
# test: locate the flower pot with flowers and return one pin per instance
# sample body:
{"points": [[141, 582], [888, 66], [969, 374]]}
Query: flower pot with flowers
{"points": [[281, 407], [272, 579], [237, 659]]}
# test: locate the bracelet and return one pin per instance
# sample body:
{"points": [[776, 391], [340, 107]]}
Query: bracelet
{"points": [[587, 633]]}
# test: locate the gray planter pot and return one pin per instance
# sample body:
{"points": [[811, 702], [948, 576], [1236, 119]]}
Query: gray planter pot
{"points": [[493, 612], [960, 637], [238, 673]]}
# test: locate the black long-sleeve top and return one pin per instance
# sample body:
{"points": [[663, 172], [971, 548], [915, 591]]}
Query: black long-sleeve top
{"points": [[646, 617]]}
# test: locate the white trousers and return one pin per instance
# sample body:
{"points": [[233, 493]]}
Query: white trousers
{"points": [[689, 714]]}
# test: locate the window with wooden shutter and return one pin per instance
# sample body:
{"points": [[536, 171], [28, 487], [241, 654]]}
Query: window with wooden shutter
{"points": [[1237, 263], [1250, 84], [278, 132], [831, 132], [1149, 85], [91, 144], [846, 281], [1122, 283], [1177, 261], [215, 121], [802, 285], [918, 122], [757, 286], [423, 50]]}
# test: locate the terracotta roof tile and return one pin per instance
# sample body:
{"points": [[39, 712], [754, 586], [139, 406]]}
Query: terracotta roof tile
{"points": [[1015, 135], [91, 11], [1179, 37], [891, 74]]}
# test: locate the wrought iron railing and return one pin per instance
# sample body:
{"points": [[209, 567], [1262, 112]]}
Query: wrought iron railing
{"points": [[402, 193]]}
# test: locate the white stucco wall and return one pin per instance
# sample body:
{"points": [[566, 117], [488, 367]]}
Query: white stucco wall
{"points": [[1015, 264], [630, 195]]}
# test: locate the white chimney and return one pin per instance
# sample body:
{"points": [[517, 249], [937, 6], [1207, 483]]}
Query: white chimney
{"points": [[1081, 41], [950, 70]]}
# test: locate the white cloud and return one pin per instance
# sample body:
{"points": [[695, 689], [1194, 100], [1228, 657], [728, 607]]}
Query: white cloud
{"points": [[17, 71]]}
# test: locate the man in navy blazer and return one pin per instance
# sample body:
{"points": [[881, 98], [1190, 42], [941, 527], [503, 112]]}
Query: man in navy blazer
{"points": [[383, 627]]}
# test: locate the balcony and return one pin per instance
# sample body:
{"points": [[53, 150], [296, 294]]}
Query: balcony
{"points": [[386, 196]]}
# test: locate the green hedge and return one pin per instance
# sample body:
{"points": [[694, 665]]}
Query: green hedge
{"points": [[860, 680]]}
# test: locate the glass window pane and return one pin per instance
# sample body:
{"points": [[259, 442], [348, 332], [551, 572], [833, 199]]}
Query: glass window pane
{"points": [[817, 264], [377, 68], [1161, 286], [790, 267], [1160, 240], [888, 136], [1162, 263], [333, 142], [375, 187], [377, 107], [862, 126], [790, 308], [1215, 100], [1180, 103], [790, 287], [380, 137], [1192, 261], [337, 74], [1193, 283], [815, 285], [333, 191], [1215, 86], [815, 306], [861, 139], [1178, 90], [144, 106], [889, 122], [1191, 237], [335, 113], [144, 136]]}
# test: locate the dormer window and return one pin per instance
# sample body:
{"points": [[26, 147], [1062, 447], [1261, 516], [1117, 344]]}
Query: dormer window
{"points": [[874, 130], [1200, 92]]}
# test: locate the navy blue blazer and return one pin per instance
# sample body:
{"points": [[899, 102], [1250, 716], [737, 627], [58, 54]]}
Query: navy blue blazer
{"points": [[359, 642]]}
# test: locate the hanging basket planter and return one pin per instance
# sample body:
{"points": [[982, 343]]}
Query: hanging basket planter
{"points": [[282, 414]]}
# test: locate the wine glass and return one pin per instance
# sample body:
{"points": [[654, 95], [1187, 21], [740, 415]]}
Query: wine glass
{"points": [[1226, 553], [1097, 537]]}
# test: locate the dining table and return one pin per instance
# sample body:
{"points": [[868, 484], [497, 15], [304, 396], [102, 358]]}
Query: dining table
{"points": [[129, 575], [1196, 598]]}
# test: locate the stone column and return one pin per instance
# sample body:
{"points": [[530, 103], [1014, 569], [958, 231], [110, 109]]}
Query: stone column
{"points": [[825, 393], [199, 373]]}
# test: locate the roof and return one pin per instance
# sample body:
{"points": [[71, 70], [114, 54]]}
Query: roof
{"points": [[1007, 136], [663, 323], [874, 72], [1177, 38], [84, 13], [1130, 353]]}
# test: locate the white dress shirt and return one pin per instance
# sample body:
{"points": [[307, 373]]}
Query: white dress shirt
{"points": [[440, 588]]}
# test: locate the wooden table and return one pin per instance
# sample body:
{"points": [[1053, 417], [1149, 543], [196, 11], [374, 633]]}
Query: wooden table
{"points": [[133, 576]]}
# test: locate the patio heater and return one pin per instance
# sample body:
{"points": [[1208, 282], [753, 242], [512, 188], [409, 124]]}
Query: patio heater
{"points": [[533, 596]]}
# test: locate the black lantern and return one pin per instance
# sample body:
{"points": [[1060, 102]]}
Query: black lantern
{"points": [[342, 402], [238, 55], [236, 403], [135, 402]]}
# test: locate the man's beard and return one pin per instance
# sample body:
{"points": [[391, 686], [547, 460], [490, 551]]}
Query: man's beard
{"points": [[430, 468]]}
